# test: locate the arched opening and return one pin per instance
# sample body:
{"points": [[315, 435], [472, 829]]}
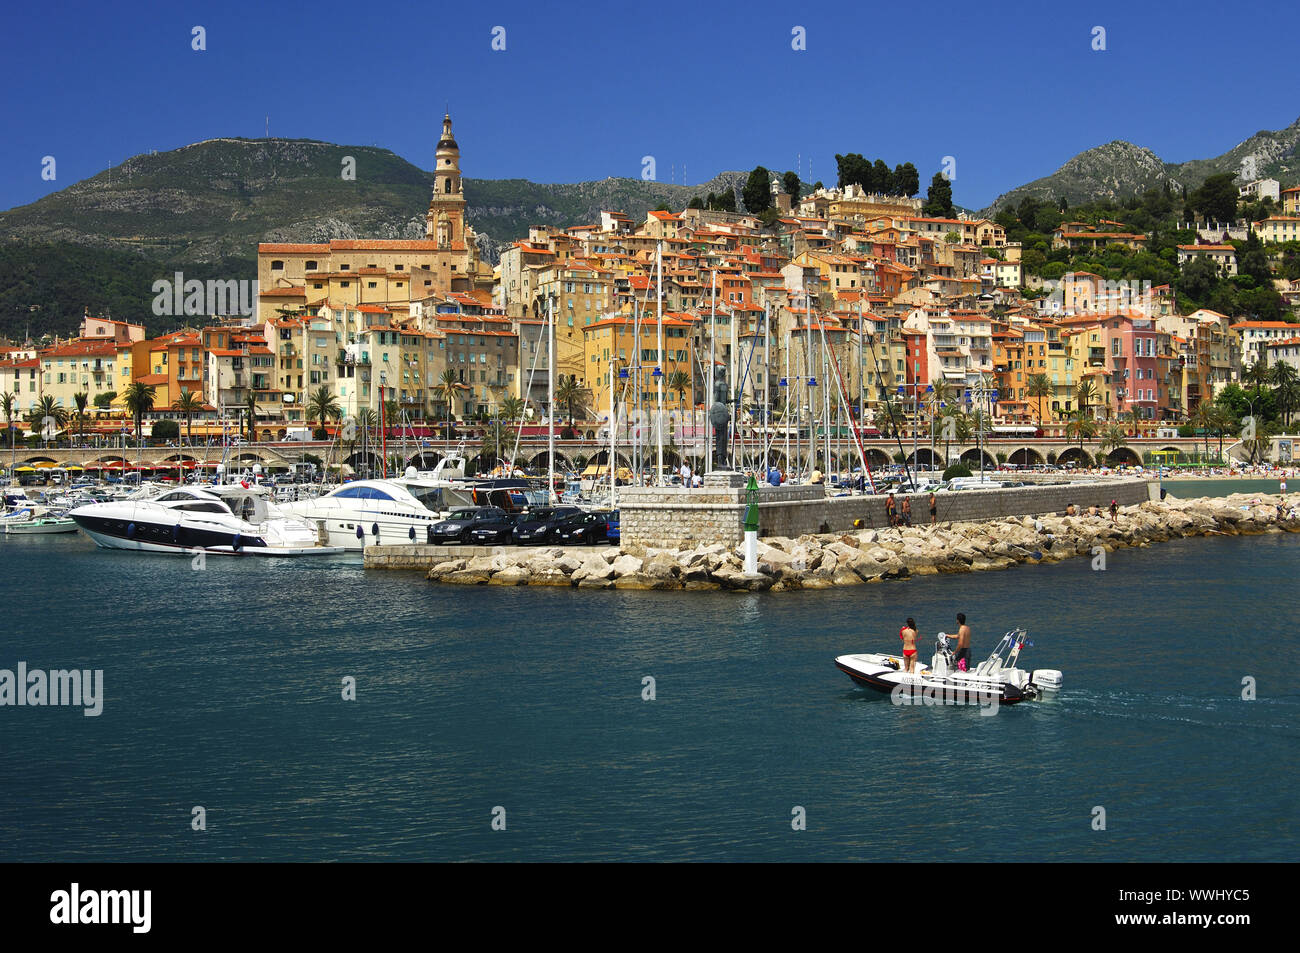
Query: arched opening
{"points": [[424, 460], [1080, 458], [876, 457], [1026, 457], [1123, 456], [926, 457], [972, 459]]}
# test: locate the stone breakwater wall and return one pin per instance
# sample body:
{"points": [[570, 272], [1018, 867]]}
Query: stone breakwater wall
{"points": [[673, 518], [820, 561]]}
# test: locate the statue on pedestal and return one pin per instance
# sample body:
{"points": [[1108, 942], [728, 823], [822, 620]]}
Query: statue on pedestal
{"points": [[720, 418]]}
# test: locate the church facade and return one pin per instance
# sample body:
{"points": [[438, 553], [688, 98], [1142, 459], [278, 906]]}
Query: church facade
{"points": [[299, 278]]}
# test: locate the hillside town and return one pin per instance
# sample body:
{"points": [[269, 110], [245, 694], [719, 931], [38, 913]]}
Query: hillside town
{"points": [[906, 318]]}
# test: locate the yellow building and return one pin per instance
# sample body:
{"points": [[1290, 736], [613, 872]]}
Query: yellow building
{"points": [[614, 339]]}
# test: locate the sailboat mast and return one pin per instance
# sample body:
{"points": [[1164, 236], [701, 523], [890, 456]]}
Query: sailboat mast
{"points": [[659, 364], [550, 396]]}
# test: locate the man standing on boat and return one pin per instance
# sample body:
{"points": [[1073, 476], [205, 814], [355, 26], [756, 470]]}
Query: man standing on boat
{"points": [[963, 644], [908, 634]]}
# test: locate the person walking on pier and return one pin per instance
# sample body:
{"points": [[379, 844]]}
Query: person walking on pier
{"points": [[1114, 510]]}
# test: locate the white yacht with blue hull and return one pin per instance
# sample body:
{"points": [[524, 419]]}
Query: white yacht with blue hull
{"points": [[233, 520]]}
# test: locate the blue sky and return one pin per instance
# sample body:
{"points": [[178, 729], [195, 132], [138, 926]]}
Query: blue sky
{"points": [[583, 91]]}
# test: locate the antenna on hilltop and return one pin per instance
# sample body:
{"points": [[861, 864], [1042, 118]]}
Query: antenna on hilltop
{"points": [[268, 127]]}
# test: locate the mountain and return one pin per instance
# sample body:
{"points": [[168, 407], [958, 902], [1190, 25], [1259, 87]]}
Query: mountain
{"points": [[203, 208], [215, 200], [1119, 169]]}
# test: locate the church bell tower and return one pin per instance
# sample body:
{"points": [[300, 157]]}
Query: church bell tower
{"points": [[445, 221]]}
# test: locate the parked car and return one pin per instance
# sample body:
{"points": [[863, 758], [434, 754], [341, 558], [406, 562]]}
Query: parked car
{"points": [[611, 529], [459, 523], [496, 532], [586, 529], [539, 526]]}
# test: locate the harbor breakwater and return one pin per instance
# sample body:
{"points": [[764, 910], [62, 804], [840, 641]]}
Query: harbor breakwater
{"points": [[821, 561]]}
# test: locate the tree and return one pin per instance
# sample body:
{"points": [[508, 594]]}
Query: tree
{"points": [[1221, 422], [679, 382], [448, 386], [165, 430], [1286, 389], [105, 399], [512, 409], [139, 401], [1040, 386], [1113, 437], [1085, 392], [792, 186], [881, 179], [8, 402], [79, 400], [1216, 199], [1081, 425], [45, 416], [696, 202], [852, 169], [250, 408], [757, 194], [569, 393], [1252, 260], [906, 180], [189, 403], [321, 406], [938, 200], [1203, 419]]}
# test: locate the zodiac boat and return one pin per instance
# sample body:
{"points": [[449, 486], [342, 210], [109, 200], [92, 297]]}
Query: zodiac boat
{"points": [[942, 683]]}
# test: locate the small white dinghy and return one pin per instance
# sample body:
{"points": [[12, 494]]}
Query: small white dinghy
{"points": [[941, 683]]}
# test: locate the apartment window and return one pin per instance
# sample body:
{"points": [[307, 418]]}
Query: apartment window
{"points": [[277, 265]]}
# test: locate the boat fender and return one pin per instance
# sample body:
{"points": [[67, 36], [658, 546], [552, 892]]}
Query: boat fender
{"points": [[176, 533], [130, 531], [411, 533], [361, 533], [237, 542], [374, 528]]}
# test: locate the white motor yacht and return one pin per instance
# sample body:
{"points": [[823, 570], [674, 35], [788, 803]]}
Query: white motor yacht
{"points": [[232, 520]]}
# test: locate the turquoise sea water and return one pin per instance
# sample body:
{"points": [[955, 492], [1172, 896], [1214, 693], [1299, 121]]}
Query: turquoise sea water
{"points": [[222, 689], [1188, 489]]}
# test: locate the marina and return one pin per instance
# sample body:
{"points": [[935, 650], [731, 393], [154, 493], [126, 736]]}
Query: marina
{"points": [[222, 688]]}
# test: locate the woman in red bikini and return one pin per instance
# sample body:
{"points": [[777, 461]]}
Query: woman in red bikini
{"points": [[908, 634]]}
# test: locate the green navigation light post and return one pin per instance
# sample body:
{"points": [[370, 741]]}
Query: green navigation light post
{"points": [[751, 527]]}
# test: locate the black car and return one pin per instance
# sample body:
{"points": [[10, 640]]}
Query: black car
{"points": [[584, 528], [539, 526], [460, 523], [495, 533]]}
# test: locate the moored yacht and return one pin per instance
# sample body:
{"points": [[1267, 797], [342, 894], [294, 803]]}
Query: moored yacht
{"points": [[232, 520]]}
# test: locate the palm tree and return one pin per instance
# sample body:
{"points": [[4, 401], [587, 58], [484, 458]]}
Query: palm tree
{"points": [[1258, 373], [250, 407], [189, 403], [7, 402], [1286, 388], [1203, 419], [1085, 392], [568, 392], [1222, 421], [79, 400], [321, 406], [679, 382], [1113, 437], [448, 386], [139, 401], [1082, 426], [1040, 386], [511, 409], [47, 415]]}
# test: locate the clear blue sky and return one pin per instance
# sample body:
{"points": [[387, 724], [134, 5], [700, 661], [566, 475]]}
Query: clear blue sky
{"points": [[583, 91]]}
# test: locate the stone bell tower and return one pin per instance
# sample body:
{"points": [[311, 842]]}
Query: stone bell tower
{"points": [[447, 206]]}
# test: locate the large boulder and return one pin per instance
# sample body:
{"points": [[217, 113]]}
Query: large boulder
{"points": [[510, 576], [446, 568]]}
